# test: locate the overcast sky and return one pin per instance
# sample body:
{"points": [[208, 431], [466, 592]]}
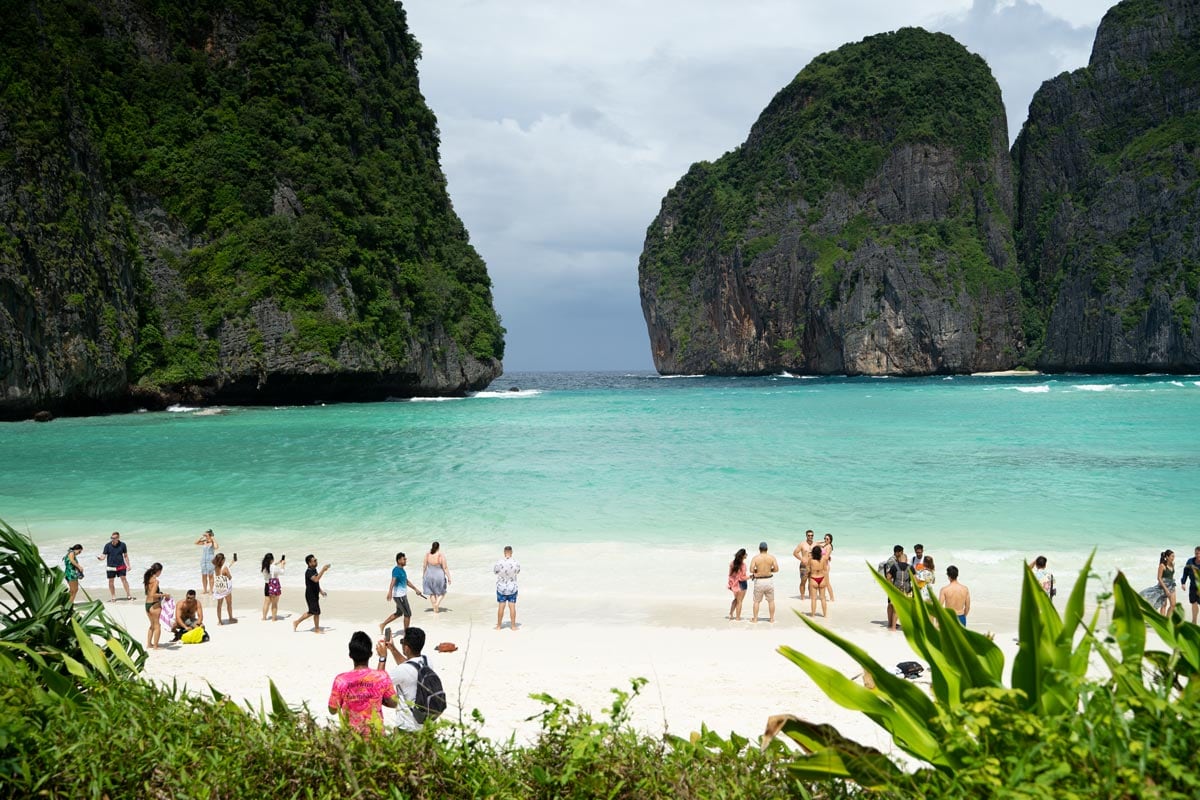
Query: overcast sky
{"points": [[565, 122]]}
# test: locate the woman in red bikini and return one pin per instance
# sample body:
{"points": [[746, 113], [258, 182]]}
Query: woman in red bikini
{"points": [[818, 576]]}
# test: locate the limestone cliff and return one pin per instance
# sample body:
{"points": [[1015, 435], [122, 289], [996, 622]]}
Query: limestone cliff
{"points": [[230, 202], [1108, 207], [864, 227]]}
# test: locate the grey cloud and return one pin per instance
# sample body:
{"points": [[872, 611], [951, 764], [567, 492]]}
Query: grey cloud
{"points": [[564, 124]]}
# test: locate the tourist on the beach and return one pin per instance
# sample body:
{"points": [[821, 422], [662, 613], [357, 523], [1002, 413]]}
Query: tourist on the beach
{"points": [[188, 615], [1191, 572], [223, 587], [313, 594], [154, 598], [208, 544], [404, 675], [739, 583], [272, 573], [818, 576], [955, 596], [1043, 576], [1162, 594], [763, 568], [358, 696], [435, 576], [72, 570], [117, 555], [507, 569], [827, 549], [923, 574], [901, 574], [803, 553], [888, 568], [398, 592], [918, 555]]}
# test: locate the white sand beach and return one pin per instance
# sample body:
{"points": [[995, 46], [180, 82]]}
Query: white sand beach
{"points": [[701, 667]]}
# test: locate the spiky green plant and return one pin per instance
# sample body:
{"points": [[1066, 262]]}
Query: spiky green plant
{"points": [[1050, 693], [67, 643]]}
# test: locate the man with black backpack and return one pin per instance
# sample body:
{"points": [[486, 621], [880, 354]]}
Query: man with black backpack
{"points": [[888, 570], [421, 694]]}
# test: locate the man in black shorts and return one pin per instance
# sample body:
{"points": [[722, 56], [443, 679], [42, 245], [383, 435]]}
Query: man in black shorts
{"points": [[312, 593], [117, 555], [397, 591], [1191, 572]]}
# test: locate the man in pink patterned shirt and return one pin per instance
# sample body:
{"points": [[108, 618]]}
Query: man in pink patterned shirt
{"points": [[359, 695]]}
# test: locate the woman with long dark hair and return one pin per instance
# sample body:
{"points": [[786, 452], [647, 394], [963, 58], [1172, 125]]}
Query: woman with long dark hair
{"points": [[818, 575], [72, 570], [223, 587], [154, 598], [272, 587], [738, 582], [1162, 594]]}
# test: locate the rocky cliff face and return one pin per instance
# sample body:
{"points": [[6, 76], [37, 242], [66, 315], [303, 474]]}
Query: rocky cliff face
{"points": [[863, 228], [1109, 197], [239, 204]]}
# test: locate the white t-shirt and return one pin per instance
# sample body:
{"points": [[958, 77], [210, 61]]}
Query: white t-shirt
{"points": [[404, 677]]}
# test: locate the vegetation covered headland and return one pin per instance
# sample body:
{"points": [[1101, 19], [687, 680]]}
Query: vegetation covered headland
{"points": [[235, 202], [875, 222]]}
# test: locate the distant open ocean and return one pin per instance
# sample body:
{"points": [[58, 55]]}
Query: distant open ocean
{"points": [[597, 475]]}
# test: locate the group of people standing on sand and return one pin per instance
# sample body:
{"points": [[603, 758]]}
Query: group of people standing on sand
{"points": [[815, 584], [216, 580]]}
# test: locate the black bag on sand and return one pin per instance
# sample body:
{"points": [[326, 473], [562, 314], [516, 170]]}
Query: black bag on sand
{"points": [[910, 669]]}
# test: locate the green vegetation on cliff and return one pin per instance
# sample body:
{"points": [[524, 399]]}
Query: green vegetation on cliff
{"points": [[1109, 176], [833, 126], [293, 154]]}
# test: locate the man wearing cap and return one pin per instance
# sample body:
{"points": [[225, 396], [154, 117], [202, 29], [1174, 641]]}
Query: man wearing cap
{"points": [[803, 554], [404, 675], [762, 571]]}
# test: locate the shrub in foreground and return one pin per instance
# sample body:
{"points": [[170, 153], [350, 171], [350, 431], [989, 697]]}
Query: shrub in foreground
{"points": [[1058, 730], [135, 739]]}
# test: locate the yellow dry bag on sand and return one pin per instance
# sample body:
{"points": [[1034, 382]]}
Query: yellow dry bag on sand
{"points": [[195, 636]]}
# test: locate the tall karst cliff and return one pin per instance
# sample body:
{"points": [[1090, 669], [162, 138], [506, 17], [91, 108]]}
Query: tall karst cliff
{"points": [[1108, 203], [230, 200], [864, 227]]}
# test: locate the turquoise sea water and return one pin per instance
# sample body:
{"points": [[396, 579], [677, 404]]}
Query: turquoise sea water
{"points": [[596, 468]]}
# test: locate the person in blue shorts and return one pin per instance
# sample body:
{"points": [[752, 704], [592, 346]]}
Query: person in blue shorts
{"points": [[955, 596], [397, 592], [506, 570]]}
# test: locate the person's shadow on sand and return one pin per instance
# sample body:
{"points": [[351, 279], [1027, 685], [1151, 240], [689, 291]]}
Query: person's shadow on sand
{"points": [[443, 609]]}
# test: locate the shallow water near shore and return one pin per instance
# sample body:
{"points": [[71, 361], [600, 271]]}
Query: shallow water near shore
{"points": [[600, 479]]}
